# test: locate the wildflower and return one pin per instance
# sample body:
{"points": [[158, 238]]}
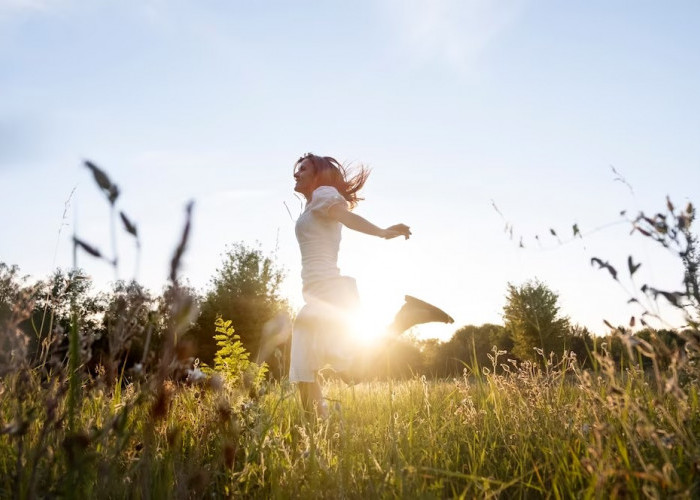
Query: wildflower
{"points": [[195, 376]]}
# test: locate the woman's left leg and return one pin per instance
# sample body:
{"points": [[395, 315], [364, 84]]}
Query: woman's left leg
{"points": [[312, 399]]}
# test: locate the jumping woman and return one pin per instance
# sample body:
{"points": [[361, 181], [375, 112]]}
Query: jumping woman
{"points": [[321, 334]]}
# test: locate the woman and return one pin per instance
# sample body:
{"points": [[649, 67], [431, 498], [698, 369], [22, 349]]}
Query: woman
{"points": [[321, 335]]}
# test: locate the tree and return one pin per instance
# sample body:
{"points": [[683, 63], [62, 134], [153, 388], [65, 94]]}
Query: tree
{"points": [[16, 303], [579, 340], [128, 324], [469, 347], [531, 316], [11, 284], [54, 306], [246, 290], [50, 321]]}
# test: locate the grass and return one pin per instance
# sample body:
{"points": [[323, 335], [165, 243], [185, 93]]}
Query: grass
{"points": [[551, 431]]}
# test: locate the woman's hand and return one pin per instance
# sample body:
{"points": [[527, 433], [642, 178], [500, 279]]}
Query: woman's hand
{"points": [[396, 230]]}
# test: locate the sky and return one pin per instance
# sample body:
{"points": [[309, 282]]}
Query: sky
{"points": [[474, 116]]}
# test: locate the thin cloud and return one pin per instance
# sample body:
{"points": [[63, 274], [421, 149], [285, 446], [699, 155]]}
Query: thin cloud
{"points": [[453, 32], [151, 10], [16, 7]]}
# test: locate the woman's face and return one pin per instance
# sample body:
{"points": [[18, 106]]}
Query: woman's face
{"points": [[305, 178]]}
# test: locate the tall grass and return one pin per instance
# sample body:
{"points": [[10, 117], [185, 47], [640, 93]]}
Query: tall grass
{"points": [[551, 431]]}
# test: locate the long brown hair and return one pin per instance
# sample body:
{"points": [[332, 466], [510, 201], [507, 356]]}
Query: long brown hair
{"points": [[330, 172]]}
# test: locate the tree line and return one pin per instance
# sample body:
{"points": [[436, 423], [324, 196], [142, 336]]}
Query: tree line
{"points": [[121, 329], [128, 325]]}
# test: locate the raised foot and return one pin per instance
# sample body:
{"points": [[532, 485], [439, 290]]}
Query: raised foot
{"points": [[416, 312]]}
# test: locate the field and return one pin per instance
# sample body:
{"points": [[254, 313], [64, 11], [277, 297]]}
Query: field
{"points": [[625, 426], [529, 431]]}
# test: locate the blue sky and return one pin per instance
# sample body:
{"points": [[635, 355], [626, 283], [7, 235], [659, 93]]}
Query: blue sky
{"points": [[453, 104]]}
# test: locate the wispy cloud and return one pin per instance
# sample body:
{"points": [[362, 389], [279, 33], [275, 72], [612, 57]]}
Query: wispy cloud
{"points": [[154, 11], [453, 32], [14, 7]]}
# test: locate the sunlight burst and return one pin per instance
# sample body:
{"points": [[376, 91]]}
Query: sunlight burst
{"points": [[369, 324]]}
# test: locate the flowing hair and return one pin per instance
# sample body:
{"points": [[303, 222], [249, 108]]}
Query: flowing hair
{"points": [[330, 172]]}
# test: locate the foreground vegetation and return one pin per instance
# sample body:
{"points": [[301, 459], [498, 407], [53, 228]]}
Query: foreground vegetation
{"points": [[538, 432]]}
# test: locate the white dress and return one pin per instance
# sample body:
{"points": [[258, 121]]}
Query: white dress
{"points": [[321, 334]]}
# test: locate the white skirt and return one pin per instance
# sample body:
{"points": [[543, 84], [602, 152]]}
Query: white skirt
{"points": [[322, 334]]}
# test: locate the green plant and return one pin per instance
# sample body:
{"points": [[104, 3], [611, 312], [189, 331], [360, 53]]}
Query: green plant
{"points": [[231, 358]]}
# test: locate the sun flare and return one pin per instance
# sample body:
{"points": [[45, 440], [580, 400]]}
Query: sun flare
{"points": [[369, 324]]}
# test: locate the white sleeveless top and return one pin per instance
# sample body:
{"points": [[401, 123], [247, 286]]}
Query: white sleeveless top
{"points": [[319, 236]]}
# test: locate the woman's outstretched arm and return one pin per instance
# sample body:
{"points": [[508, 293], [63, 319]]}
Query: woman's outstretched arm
{"points": [[359, 223]]}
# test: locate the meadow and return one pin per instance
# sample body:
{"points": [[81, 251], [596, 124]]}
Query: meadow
{"points": [[164, 427], [548, 430]]}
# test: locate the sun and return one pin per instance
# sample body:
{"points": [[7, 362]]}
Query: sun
{"points": [[369, 323]]}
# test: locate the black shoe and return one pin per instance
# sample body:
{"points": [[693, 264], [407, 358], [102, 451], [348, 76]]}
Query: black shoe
{"points": [[415, 312]]}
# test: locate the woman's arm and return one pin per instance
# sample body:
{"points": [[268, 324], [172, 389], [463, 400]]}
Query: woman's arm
{"points": [[359, 223]]}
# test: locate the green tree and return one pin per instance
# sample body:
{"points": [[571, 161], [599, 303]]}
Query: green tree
{"points": [[531, 316], [51, 316], [16, 303], [128, 325], [54, 304], [579, 340], [245, 290], [11, 285], [401, 358], [469, 347]]}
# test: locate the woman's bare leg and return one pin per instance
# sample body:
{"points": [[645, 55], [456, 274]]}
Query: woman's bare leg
{"points": [[311, 398]]}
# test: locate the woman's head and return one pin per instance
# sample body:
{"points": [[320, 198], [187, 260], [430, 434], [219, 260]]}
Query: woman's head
{"points": [[311, 171]]}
